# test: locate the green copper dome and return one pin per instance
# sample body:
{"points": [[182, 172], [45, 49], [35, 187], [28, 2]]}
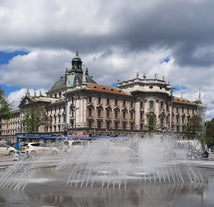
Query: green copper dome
{"points": [[75, 76]]}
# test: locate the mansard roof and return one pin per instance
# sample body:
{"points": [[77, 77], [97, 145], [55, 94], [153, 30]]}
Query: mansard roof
{"points": [[177, 100], [107, 89]]}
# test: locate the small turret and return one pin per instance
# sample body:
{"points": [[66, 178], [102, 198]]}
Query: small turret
{"points": [[76, 64]]}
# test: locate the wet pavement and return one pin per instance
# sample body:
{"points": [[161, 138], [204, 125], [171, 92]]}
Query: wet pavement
{"points": [[48, 188], [90, 178]]}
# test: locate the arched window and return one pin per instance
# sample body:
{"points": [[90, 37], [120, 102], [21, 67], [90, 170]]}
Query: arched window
{"points": [[151, 104], [89, 112], [99, 112]]}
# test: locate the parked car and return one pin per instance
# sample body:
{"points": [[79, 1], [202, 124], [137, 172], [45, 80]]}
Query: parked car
{"points": [[38, 148], [75, 144], [7, 150]]}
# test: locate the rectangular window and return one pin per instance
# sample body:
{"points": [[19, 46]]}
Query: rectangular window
{"points": [[90, 124], [132, 126], [89, 112], [89, 99], [99, 125], [99, 112], [116, 125], [108, 125], [161, 105], [116, 114], [177, 119], [108, 114], [161, 122], [99, 100], [108, 101], [116, 102], [124, 125], [124, 115], [183, 119], [151, 104], [132, 104]]}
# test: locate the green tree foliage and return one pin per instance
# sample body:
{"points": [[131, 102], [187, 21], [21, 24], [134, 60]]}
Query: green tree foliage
{"points": [[209, 136], [5, 107], [34, 118], [151, 118], [194, 128]]}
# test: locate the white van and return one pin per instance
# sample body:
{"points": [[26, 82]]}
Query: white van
{"points": [[75, 144]]}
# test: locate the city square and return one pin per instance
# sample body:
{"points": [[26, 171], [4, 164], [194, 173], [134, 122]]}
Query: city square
{"points": [[106, 103], [104, 173]]}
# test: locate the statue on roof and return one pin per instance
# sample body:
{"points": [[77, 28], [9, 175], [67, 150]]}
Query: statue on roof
{"points": [[137, 75], [28, 93]]}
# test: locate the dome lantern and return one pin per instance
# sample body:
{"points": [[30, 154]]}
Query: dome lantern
{"points": [[76, 64]]}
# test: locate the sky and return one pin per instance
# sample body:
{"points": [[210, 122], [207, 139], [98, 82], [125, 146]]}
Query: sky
{"points": [[115, 40]]}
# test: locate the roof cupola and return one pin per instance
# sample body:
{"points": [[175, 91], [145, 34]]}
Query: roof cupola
{"points": [[76, 64]]}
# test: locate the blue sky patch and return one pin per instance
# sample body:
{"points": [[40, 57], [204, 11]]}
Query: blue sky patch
{"points": [[165, 60], [180, 88], [5, 57], [114, 85], [8, 89]]}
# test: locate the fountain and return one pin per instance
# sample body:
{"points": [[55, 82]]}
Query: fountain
{"points": [[119, 165], [108, 163], [116, 163]]}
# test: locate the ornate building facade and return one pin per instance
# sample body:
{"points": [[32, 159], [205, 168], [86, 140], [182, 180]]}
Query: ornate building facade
{"points": [[77, 104]]}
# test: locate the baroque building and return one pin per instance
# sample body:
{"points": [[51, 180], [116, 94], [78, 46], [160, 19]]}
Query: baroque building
{"points": [[76, 104]]}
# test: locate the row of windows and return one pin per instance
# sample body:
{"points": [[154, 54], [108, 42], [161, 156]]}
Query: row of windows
{"points": [[124, 102], [108, 113], [151, 105], [110, 125], [183, 110], [116, 102]]}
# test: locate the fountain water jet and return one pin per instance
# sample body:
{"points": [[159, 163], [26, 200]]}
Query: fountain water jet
{"points": [[118, 162], [107, 163]]}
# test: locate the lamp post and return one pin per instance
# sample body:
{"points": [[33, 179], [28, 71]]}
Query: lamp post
{"points": [[75, 114], [66, 102], [171, 113]]}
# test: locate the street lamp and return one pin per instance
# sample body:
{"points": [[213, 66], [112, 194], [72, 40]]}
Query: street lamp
{"points": [[171, 109], [66, 102], [75, 114]]}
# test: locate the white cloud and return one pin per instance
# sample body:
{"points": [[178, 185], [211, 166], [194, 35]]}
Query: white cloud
{"points": [[115, 39], [36, 69], [15, 97]]}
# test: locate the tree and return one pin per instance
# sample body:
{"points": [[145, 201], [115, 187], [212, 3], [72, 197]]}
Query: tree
{"points": [[34, 118], [194, 128], [209, 134], [151, 120], [5, 107]]}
